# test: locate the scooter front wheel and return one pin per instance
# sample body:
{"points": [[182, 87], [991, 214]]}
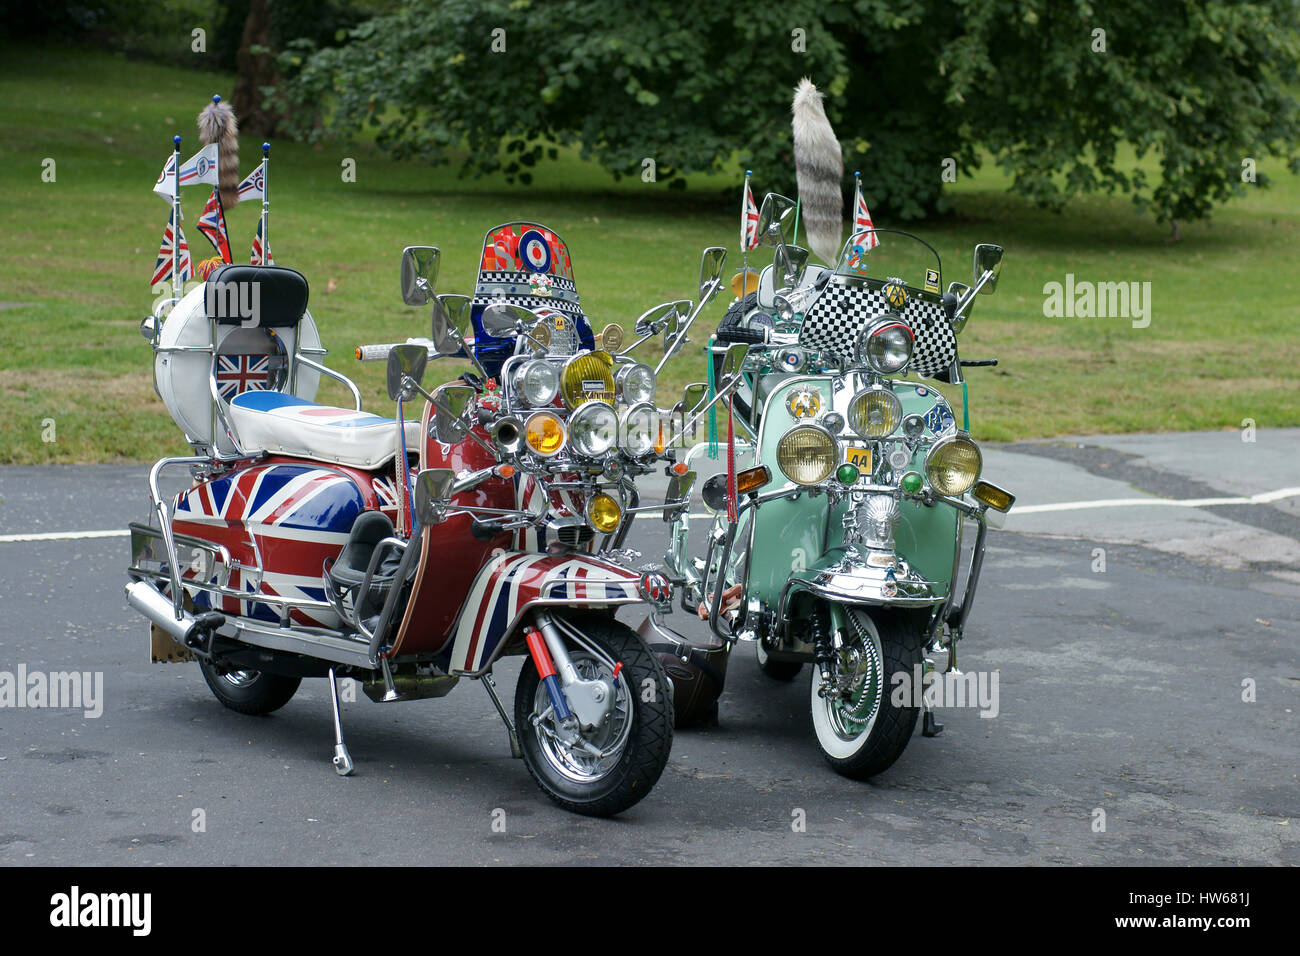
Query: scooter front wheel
{"points": [[602, 770], [247, 691], [860, 729]]}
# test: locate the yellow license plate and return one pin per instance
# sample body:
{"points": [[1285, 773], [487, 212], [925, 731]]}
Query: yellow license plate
{"points": [[860, 457]]}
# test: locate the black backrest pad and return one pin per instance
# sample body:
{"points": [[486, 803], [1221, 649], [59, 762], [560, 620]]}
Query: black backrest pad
{"points": [[269, 296]]}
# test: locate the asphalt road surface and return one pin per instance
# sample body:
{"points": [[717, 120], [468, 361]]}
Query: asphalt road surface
{"points": [[1147, 656]]}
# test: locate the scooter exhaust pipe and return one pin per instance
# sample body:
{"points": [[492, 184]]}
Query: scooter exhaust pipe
{"points": [[508, 433], [147, 600]]}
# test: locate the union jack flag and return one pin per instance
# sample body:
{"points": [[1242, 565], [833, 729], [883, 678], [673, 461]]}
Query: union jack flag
{"points": [[861, 215], [254, 185], [212, 223], [257, 249], [242, 373], [748, 219], [279, 524], [162, 270], [166, 185]]}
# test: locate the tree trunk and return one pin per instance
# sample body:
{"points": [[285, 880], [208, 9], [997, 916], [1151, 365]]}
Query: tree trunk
{"points": [[255, 71]]}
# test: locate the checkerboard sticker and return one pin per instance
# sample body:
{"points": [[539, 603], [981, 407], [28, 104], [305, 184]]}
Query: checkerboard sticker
{"points": [[839, 316]]}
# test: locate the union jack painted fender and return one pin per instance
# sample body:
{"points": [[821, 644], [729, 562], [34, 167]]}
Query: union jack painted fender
{"points": [[512, 583]]}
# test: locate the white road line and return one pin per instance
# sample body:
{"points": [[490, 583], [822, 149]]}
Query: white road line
{"points": [[63, 535], [1262, 498], [1259, 499]]}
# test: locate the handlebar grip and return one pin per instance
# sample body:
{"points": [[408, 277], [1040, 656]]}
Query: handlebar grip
{"points": [[375, 353], [980, 363], [379, 353], [734, 333]]}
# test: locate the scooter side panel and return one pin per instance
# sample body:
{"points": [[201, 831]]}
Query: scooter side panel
{"points": [[286, 518]]}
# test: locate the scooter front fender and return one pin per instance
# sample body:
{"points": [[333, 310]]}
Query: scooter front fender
{"points": [[513, 583], [844, 576]]}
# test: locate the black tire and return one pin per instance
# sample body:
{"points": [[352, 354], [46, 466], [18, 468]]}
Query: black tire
{"points": [[249, 692], [777, 670], [633, 771], [864, 756]]}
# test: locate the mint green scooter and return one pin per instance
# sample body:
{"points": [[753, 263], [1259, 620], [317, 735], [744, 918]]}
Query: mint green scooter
{"points": [[854, 483]]}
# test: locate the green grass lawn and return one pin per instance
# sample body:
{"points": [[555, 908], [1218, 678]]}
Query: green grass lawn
{"points": [[76, 256]]}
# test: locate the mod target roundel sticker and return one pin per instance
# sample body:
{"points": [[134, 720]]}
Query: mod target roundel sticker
{"points": [[535, 252]]}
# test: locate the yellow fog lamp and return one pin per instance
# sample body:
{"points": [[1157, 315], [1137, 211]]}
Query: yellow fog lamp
{"points": [[953, 465], [875, 412], [807, 454], [743, 283], [603, 513], [996, 498], [588, 377], [544, 434]]}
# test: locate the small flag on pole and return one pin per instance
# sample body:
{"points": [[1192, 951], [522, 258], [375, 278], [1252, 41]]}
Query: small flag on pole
{"points": [[201, 167], [166, 185], [862, 215], [748, 219], [212, 223], [162, 271], [253, 186], [257, 249]]}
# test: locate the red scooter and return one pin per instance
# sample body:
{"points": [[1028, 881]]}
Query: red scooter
{"points": [[317, 541]]}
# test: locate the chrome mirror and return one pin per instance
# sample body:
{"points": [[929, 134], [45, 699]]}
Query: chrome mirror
{"points": [[419, 274], [503, 319], [694, 395], [790, 261], [679, 491], [988, 261], [772, 216], [406, 364], [734, 360], [449, 404], [446, 339], [711, 263], [432, 489], [660, 318]]}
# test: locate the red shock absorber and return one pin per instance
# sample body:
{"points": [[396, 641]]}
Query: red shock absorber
{"points": [[546, 670]]}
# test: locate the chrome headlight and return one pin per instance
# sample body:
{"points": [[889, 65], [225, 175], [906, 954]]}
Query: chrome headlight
{"points": [[875, 412], [640, 430], [953, 465], [537, 382], [807, 454], [886, 346], [593, 429], [636, 383]]}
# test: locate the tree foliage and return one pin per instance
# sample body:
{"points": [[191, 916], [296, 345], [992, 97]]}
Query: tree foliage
{"points": [[1027, 84]]}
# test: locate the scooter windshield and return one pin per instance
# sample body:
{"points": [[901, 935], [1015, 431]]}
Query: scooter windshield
{"points": [[883, 273], [527, 264], [885, 254]]}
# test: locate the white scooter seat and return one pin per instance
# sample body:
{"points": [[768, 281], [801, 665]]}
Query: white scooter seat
{"points": [[273, 422]]}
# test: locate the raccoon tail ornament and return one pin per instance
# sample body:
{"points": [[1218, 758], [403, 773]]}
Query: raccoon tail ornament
{"points": [[819, 169], [217, 125]]}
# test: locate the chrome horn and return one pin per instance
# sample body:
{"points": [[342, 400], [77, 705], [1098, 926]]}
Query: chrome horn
{"points": [[508, 434]]}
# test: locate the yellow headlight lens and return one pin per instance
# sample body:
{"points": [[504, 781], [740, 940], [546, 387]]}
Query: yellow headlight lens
{"points": [[953, 465], [603, 513], [588, 377], [807, 454], [544, 433], [875, 413]]}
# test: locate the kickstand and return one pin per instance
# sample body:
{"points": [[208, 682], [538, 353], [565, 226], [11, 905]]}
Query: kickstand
{"points": [[490, 683], [929, 726], [342, 759]]}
